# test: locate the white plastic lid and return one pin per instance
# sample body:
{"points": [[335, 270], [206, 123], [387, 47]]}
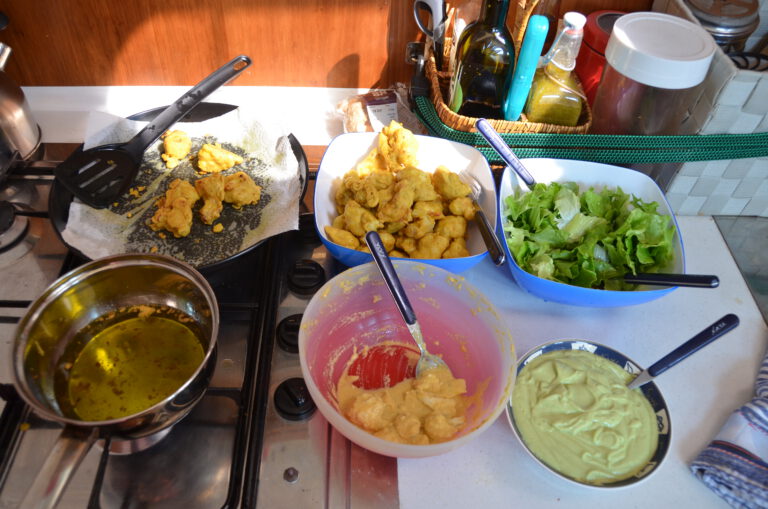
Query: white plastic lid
{"points": [[575, 19], [660, 50]]}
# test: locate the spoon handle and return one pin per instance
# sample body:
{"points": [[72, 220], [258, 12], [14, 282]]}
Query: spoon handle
{"points": [[691, 280], [699, 341], [500, 146], [387, 270]]}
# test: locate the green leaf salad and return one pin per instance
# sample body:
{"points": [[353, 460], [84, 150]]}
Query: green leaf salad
{"points": [[590, 239]]}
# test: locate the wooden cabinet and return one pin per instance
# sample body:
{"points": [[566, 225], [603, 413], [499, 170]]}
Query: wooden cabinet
{"points": [[318, 43]]}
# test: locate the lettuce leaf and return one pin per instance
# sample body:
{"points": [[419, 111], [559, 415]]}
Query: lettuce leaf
{"points": [[590, 238]]}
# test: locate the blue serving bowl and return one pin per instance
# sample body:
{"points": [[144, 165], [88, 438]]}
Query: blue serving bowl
{"points": [[650, 390], [587, 174], [346, 150]]}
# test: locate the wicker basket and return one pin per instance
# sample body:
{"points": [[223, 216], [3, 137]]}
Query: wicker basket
{"points": [[439, 84]]}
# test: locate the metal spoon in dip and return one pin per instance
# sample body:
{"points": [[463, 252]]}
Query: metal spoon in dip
{"points": [[693, 345], [381, 258]]}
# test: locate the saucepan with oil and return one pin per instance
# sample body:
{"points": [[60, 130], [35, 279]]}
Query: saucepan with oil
{"points": [[123, 346]]}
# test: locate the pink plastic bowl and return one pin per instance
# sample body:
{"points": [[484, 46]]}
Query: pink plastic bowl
{"points": [[355, 309]]}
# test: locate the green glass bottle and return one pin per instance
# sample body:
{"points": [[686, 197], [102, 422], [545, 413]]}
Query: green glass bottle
{"points": [[485, 58]]}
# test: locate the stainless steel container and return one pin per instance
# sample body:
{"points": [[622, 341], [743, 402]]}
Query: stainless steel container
{"points": [[104, 288], [19, 133]]}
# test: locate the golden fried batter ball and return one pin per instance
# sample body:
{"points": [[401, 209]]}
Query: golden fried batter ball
{"points": [[397, 146], [211, 190], [240, 190], [174, 209], [457, 249], [214, 159], [431, 245], [342, 237], [463, 206], [176, 146], [420, 227], [453, 227], [448, 184], [359, 220]]}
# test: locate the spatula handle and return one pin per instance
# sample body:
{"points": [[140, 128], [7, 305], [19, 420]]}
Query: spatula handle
{"points": [[699, 341], [185, 104]]}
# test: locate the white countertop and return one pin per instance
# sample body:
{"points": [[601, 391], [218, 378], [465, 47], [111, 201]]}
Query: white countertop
{"points": [[701, 391], [495, 470]]}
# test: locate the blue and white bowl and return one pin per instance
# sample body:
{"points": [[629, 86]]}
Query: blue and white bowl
{"points": [[346, 150], [587, 174], [650, 390]]}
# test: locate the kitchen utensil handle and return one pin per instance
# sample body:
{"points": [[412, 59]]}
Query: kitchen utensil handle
{"points": [[184, 104], [492, 242], [699, 341], [384, 263], [500, 146], [60, 465], [690, 280]]}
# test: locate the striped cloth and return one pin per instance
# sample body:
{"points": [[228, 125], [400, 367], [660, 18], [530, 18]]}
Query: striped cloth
{"points": [[734, 465]]}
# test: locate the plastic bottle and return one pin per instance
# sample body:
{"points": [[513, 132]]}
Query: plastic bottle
{"points": [[485, 58], [555, 96], [525, 69]]}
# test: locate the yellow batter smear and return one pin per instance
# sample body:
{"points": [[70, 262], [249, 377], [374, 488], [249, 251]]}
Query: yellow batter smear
{"points": [[424, 410], [576, 414]]}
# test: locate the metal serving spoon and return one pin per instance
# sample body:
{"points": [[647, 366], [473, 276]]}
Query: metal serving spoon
{"points": [[381, 258], [656, 279], [693, 345]]}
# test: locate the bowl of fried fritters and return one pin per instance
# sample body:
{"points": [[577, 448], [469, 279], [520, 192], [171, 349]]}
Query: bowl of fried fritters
{"points": [[415, 191]]}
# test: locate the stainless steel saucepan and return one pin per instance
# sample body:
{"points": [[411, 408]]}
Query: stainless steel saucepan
{"points": [[69, 324]]}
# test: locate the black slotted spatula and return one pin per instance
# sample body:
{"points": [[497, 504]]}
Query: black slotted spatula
{"points": [[100, 175]]}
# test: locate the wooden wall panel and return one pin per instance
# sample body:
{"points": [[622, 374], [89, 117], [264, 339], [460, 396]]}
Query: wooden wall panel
{"points": [[323, 43], [327, 43]]}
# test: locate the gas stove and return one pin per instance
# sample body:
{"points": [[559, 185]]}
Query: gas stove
{"points": [[254, 440]]}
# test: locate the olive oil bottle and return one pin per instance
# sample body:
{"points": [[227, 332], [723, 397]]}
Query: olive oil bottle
{"points": [[485, 59], [555, 96]]}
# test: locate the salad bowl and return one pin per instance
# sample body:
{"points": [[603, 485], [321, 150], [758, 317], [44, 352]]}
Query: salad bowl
{"points": [[587, 175]]}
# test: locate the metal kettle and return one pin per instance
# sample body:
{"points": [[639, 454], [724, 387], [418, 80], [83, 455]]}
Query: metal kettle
{"points": [[19, 133]]}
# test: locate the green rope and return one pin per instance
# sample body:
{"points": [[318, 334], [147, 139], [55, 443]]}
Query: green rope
{"points": [[616, 149]]}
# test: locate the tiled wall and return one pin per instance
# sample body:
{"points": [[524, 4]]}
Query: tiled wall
{"points": [[733, 101]]}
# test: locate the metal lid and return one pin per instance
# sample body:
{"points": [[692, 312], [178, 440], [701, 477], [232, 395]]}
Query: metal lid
{"points": [[660, 50], [725, 14]]}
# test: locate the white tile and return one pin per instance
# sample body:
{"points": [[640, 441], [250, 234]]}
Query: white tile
{"points": [[714, 205], [757, 206], [757, 103], [759, 168], [704, 186], [716, 168], [734, 206], [722, 118], [676, 200], [737, 168], [691, 206], [682, 184], [763, 189], [727, 186], [693, 168], [747, 188], [736, 92], [745, 123]]}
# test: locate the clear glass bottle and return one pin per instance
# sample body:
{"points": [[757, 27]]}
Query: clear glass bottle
{"points": [[485, 59], [555, 96]]}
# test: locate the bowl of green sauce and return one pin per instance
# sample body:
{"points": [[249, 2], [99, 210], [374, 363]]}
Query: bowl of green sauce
{"points": [[573, 413]]}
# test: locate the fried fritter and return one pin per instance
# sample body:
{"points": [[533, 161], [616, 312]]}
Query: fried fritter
{"points": [[448, 184], [240, 190], [176, 146], [174, 209], [214, 159], [211, 190]]}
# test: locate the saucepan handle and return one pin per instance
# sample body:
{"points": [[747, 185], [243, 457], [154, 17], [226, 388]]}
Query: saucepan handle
{"points": [[60, 465]]}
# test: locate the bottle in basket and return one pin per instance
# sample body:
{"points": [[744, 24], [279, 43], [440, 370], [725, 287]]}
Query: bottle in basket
{"points": [[485, 58]]}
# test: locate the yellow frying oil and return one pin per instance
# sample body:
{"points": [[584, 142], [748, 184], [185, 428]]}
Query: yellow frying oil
{"points": [[130, 366]]}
